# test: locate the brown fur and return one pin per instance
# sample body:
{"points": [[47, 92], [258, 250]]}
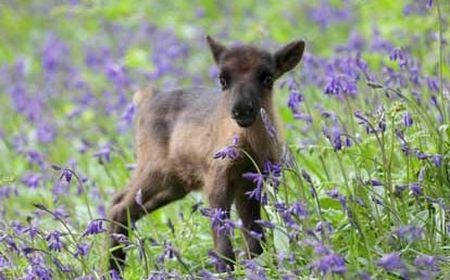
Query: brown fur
{"points": [[178, 132]]}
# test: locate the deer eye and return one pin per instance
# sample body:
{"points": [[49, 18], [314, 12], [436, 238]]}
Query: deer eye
{"points": [[223, 81], [267, 80]]}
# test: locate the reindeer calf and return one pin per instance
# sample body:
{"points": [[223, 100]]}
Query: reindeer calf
{"points": [[178, 133]]}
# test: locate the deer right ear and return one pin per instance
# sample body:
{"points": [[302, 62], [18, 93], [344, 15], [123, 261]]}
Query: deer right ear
{"points": [[216, 48]]}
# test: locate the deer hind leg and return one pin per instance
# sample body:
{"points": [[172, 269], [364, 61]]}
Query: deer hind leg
{"points": [[249, 210], [158, 189]]}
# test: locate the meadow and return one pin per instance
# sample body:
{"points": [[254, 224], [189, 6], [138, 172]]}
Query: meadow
{"points": [[364, 194]]}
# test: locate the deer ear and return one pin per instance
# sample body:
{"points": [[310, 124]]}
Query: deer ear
{"points": [[216, 48], [288, 57]]}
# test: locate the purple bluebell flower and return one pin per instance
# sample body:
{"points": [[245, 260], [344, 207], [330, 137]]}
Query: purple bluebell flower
{"points": [[117, 74], [266, 224], [37, 268], [257, 193], [35, 157], [218, 262], [115, 275], [253, 270], [331, 263], [9, 241], [207, 275], [32, 180], [375, 183], [391, 261], [46, 133], [220, 220], [333, 193], [437, 160], [427, 262], [82, 250], [421, 155], [4, 263], [429, 4], [104, 154], [54, 241], [324, 227], [230, 151], [60, 265], [399, 189], [270, 128], [66, 174], [433, 85], [94, 227], [286, 215], [295, 98], [299, 209], [54, 54], [407, 119], [398, 55], [416, 189], [127, 118], [411, 233]]}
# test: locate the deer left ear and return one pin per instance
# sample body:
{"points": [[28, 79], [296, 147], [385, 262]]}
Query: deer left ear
{"points": [[288, 57]]}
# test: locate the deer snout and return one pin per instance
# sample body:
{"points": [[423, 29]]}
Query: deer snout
{"points": [[244, 114]]}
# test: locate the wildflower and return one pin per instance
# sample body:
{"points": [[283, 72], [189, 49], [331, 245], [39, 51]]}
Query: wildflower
{"points": [[37, 268], [4, 262], [437, 160], [82, 250], [391, 261], [375, 183], [32, 230], [115, 275], [206, 275], [60, 266], [416, 189], [330, 263], [104, 154], [410, 233], [253, 270], [324, 227], [426, 262], [230, 151], [429, 4], [433, 85], [220, 220], [407, 119], [298, 208], [399, 189], [218, 262], [266, 224], [32, 180], [127, 117], [398, 55], [270, 128], [54, 241], [46, 133], [9, 241], [34, 157], [94, 227]]}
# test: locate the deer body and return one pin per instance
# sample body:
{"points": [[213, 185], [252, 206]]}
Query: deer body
{"points": [[178, 133]]}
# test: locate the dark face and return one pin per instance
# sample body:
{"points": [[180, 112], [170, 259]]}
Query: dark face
{"points": [[247, 75]]}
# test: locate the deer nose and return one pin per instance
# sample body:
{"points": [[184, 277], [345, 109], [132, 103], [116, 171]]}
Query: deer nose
{"points": [[242, 111]]}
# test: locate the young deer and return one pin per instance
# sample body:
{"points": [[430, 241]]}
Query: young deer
{"points": [[178, 133]]}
